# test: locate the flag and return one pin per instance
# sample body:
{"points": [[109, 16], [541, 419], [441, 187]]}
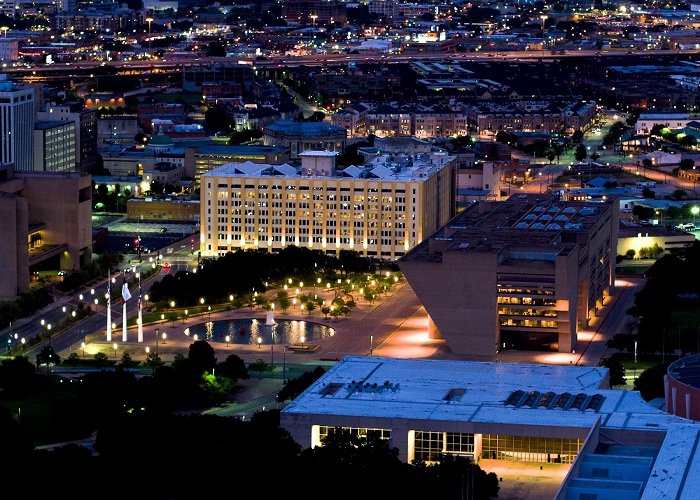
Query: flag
{"points": [[125, 291]]}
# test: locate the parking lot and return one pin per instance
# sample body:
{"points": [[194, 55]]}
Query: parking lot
{"points": [[150, 235]]}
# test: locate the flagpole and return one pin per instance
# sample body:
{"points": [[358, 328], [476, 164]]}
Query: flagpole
{"points": [[140, 317], [109, 306], [124, 313]]}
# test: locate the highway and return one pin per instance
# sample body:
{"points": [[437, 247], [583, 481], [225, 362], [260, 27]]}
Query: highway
{"points": [[176, 63]]}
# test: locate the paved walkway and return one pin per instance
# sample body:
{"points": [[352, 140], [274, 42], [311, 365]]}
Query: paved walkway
{"points": [[394, 326]]}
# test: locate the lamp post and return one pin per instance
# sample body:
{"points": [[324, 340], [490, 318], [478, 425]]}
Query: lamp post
{"points": [[313, 20], [228, 339], [543, 18], [149, 20], [82, 346], [157, 336], [694, 210], [114, 346]]}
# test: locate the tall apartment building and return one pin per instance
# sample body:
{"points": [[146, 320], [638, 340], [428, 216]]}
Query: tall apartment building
{"points": [[16, 124], [54, 147], [527, 273], [46, 221], [382, 210], [85, 130]]}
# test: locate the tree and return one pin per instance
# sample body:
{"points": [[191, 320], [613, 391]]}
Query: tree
{"points": [[126, 362], [216, 49], [101, 360], [282, 300], [650, 382], [581, 152], [616, 369], [648, 193], [577, 135], [686, 164], [153, 361], [17, 376], [201, 357], [642, 212], [216, 119], [233, 367], [47, 356], [550, 154], [630, 253]]}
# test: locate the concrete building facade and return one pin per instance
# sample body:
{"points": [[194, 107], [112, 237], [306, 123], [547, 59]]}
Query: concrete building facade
{"points": [[46, 222], [525, 273], [380, 210]]}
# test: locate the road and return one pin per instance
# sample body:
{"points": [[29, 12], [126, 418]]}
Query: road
{"points": [[180, 259], [176, 63]]}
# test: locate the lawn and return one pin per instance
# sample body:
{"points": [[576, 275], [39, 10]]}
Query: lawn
{"points": [[36, 413], [686, 316]]}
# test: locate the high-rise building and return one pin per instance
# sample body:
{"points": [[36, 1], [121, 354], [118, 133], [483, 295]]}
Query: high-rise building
{"points": [[16, 124], [85, 130], [54, 146], [379, 210]]}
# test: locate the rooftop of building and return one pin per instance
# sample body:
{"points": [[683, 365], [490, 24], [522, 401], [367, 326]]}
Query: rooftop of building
{"points": [[304, 128], [686, 370], [477, 392], [677, 465], [542, 224], [391, 167], [239, 149], [47, 124]]}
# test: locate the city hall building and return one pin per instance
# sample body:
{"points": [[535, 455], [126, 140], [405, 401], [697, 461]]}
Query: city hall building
{"points": [[526, 273], [619, 445], [382, 209]]}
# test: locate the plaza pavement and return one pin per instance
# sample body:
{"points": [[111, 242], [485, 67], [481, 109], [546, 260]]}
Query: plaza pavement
{"points": [[396, 325]]}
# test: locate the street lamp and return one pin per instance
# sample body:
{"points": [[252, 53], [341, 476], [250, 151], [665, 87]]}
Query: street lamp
{"points": [[228, 339], [82, 345], [157, 336], [694, 210], [149, 20], [543, 18], [114, 346], [313, 20]]}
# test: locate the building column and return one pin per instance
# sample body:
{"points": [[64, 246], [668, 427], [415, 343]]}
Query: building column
{"points": [[687, 406], [433, 332]]}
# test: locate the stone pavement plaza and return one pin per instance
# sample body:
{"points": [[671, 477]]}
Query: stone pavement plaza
{"points": [[396, 325]]}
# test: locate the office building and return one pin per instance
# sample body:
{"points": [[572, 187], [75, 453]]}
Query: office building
{"points": [[526, 273], [16, 124], [618, 445], [9, 49], [199, 160], [54, 147], [305, 136], [381, 210], [47, 224], [85, 121]]}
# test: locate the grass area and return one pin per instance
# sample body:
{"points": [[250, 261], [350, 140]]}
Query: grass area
{"points": [[686, 316], [177, 314], [634, 270], [36, 411]]}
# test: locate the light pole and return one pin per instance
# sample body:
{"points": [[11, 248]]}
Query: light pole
{"points": [[694, 210], [313, 20], [157, 336], [149, 20], [82, 346], [543, 18], [114, 346]]}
